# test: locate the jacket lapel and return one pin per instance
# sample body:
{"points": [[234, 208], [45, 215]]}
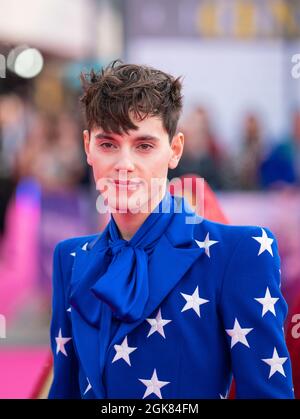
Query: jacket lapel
{"points": [[86, 340], [88, 265], [85, 311]]}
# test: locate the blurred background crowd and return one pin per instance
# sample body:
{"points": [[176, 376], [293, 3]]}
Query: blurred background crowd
{"points": [[241, 121]]}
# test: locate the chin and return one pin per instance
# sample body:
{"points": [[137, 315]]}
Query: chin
{"points": [[129, 203]]}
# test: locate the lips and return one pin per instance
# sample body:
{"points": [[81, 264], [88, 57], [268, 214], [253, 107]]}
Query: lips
{"points": [[129, 185], [125, 183]]}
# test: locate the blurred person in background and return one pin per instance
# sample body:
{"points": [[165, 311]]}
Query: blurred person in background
{"points": [[202, 153], [52, 158], [12, 133], [52, 153], [281, 167], [250, 157]]}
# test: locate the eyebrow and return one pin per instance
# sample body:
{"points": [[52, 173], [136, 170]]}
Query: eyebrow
{"points": [[104, 136]]}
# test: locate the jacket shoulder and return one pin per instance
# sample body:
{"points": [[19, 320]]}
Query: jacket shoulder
{"points": [[227, 232]]}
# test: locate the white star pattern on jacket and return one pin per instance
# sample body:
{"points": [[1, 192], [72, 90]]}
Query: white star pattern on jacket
{"points": [[193, 301], [268, 303], [123, 351], [84, 247], [60, 343], [88, 387], [276, 363], [238, 334], [157, 324], [224, 397], [265, 243], [206, 244], [153, 385]]}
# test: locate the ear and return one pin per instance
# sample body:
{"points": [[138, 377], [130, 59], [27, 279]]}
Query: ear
{"points": [[86, 142], [177, 145]]}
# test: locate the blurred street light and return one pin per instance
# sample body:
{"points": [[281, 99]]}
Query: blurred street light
{"points": [[24, 61]]}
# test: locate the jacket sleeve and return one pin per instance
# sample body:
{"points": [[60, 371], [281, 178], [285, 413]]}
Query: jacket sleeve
{"points": [[253, 311], [65, 367]]}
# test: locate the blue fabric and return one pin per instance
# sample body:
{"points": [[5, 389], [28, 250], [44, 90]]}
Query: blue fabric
{"points": [[124, 286], [192, 355], [279, 166]]}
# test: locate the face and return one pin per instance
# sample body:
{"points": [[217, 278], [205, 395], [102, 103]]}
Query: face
{"points": [[130, 170]]}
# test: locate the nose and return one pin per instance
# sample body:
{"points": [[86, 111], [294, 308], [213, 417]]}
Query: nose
{"points": [[124, 162]]}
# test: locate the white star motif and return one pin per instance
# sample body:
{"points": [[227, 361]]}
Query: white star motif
{"points": [[224, 397], [206, 244], [268, 303], [265, 243], [153, 385], [84, 247], [123, 351], [276, 363], [60, 343], [157, 324], [88, 387], [238, 334], [193, 301], [69, 309]]}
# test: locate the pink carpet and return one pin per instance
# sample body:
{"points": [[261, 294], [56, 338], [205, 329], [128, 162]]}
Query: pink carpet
{"points": [[23, 371]]}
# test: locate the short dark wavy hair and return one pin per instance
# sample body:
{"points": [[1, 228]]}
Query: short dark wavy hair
{"points": [[120, 90]]}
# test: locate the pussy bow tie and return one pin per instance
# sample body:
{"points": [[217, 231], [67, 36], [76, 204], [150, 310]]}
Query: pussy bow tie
{"points": [[124, 287]]}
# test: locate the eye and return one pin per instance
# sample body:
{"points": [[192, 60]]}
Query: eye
{"points": [[145, 146], [107, 145]]}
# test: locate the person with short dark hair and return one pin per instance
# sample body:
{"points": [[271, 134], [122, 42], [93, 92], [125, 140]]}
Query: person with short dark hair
{"points": [[162, 303]]}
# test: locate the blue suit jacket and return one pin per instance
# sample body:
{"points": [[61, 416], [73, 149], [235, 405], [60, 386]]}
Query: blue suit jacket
{"points": [[215, 310]]}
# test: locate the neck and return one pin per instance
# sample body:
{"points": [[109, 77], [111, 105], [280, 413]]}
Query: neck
{"points": [[128, 223]]}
